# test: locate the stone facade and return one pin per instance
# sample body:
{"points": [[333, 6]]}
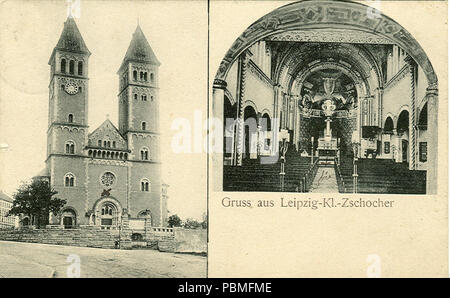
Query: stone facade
{"points": [[110, 171]]}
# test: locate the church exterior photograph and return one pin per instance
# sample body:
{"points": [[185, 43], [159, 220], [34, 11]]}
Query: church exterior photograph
{"points": [[109, 170], [105, 176], [327, 97]]}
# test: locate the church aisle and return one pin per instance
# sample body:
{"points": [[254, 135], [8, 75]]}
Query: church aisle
{"points": [[325, 180]]}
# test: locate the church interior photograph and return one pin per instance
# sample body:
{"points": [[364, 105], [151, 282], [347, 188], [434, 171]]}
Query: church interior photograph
{"points": [[327, 97]]}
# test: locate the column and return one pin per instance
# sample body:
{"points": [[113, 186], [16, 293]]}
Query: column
{"points": [[413, 133], [296, 125], [432, 143], [240, 98], [216, 168]]}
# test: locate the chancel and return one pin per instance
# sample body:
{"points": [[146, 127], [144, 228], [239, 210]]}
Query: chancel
{"points": [[351, 102]]}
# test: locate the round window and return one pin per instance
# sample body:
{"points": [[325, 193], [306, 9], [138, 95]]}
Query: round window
{"points": [[108, 179]]}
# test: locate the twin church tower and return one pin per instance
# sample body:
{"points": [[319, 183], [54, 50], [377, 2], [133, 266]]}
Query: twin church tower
{"points": [[109, 172]]}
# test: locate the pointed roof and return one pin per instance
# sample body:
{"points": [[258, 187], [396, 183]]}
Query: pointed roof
{"points": [[139, 49], [5, 197], [108, 128], [71, 39]]}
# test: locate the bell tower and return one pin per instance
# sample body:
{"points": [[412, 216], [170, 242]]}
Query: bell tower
{"points": [[139, 99], [68, 93], [139, 124]]}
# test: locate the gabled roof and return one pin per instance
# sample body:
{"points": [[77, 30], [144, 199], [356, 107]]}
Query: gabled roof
{"points": [[108, 128], [71, 39], [139, 49], [5, 197]]}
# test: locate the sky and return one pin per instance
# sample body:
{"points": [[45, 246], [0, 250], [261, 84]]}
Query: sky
{"points": [[177, 33]]}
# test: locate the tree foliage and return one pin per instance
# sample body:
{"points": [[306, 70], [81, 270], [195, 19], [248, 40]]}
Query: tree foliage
{"points": [[36, 199], [191, 224], [174, 221]]}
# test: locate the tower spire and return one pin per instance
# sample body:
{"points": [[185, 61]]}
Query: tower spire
{"points": [[139, 49], [71, 39]]}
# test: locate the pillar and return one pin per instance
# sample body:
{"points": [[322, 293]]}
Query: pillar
{"points": [[413, 118], [217, 114], [432, 143], [296, 126], [242, 76]]}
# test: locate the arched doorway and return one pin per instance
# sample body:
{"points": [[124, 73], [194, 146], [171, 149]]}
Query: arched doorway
{"points": [[108, 212], [68, 218], [388, 127], [266, 128], [403, 134]]}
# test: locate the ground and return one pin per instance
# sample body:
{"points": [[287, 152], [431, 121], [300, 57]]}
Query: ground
{"points": [[41, 260]]}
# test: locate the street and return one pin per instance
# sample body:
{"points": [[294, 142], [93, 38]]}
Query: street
{"points": [[19, 259]]}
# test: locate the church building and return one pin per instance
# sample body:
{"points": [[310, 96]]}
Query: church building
{"points": [[337, 92], [110, 171]]}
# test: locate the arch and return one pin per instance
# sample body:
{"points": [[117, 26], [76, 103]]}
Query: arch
{"points": [[70, 118], [403, 121], [325, 14], [63, 66], [134, 75], [145, 185], [69, 217], [108, 211], [80, 68], [266, 122], [388, 125], [69, 180], [144, 153], [250, 103], [72, 67], [137, 237], [70, 147], [423, 117], [361, 84], [144, 125]]}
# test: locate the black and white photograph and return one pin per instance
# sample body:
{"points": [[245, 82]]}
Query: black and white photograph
{"points": [[328, 97], [90, 184]]}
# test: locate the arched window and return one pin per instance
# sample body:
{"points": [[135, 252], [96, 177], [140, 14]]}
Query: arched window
{"points": [[145, 76], [144, 153], [72, 67], [69, 180], [63, 65], [109, 214], [114, 144], [135, 75], [108, 144], [135, 96], [151, 98], [70, 147], [151, 77], [80, 68], [104, 144], [144, 97], [141, 75], [99, 143], [145, 185], [70, 118], [144, 125]]}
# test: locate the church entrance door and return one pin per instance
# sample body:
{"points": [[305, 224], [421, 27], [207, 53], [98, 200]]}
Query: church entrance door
{"points": [[67, 222]]}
